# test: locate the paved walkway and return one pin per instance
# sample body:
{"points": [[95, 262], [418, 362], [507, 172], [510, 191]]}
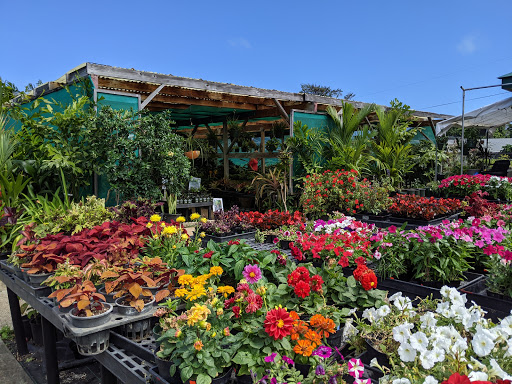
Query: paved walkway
{"points": [[5, 313], [11, 371]]}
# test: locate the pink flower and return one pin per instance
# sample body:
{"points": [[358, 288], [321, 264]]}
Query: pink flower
{"points": [[252, 273], [392, 229], [355, 368], [500, 223], [362, 381]]}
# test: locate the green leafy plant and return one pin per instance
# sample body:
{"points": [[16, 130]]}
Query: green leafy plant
{"points": [[139, 154]]}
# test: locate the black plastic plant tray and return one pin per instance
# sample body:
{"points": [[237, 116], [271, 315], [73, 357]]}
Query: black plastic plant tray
{"points": [[421, 222], [495, 307], [221, 239], [144, 349], [6, 266], [37, 292], [157, 379]]}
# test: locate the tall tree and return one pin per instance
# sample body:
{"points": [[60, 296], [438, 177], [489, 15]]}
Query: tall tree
{"points": [[323, 90]]}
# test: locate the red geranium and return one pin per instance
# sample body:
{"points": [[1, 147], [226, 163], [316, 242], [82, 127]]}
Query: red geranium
{"points": [[369, 280], [278, 323], [302, 289]]}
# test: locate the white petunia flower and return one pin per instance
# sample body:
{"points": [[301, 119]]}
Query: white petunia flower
{"points": [[482, 344], [401, 381], [443, 309], [403, 303], [426, 360], [383, 311], [419, 341], [430, 380], [395, 296], [478, 376], [440, 341], [506, 325], [402, 332], [437, 354], [428, 320], [370, 314], [406, 352], [497, 371]]}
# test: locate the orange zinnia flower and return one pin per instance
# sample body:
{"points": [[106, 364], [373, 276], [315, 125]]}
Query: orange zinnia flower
{"points": [[314, 337], [323, 325], [303, 348]]}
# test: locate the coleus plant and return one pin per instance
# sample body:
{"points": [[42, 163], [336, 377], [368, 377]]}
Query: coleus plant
{"points": [[133, 286], [88, 301]]}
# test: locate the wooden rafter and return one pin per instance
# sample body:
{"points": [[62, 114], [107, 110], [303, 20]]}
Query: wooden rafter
{"points": [[151, 96]]}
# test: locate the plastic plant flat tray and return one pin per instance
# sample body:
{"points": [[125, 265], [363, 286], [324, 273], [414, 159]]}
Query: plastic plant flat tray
{"points": [[495, 307], [143, 349], [221, 239], [62, 320]]}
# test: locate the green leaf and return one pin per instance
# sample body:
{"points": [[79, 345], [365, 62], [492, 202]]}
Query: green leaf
{"points": [[186, 373], [203, 379], [209, 361], [351, 282], [239, 267]]}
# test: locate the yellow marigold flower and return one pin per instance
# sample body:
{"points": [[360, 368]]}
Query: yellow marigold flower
{"points": [[192, 319], [181, 219], [196, 292], [198, 345], [204, 219], [220, 311], [149, 225], [202, 234], [226, 331], [201, 279], [174, 246], [155, 218], [155, 236], [180, 292], [195, 216], [217, 271], [169, 230], [162, 224], [208, 326], [184, 236], [185, 279], [226, 290], [214, 334]]}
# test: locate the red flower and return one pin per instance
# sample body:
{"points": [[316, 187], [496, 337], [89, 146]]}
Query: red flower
{"points": [[457, 378], [255, 302], [360, 271], [236, 311], [317, 282], [229, 302], [278, 323], [233, 242], [369, 280], [244, 288], [343, 261], [253, 164], [302, 289], [208, 255]]}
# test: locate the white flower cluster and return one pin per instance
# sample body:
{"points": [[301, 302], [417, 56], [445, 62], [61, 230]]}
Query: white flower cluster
{"points": [[431, 343], [331, 226]]}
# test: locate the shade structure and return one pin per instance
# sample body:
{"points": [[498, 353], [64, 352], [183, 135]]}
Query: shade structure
{"points": [[493, 115]]}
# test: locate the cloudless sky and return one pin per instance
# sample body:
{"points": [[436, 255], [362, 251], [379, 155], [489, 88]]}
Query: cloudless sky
{"points": [[420, 52]]}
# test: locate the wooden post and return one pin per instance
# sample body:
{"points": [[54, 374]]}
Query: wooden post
{"points": [[225, 149], [262, 149]]}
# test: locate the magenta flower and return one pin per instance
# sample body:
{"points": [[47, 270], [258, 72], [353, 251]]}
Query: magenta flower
{"points": [[355, 368], [271, 358], [287, 360], [323, 351], [252, 273]]}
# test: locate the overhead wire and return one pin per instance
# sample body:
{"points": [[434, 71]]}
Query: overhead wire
{"points": [[459, 101]]}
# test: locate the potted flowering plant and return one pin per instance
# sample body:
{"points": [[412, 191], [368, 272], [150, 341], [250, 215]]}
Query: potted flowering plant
{"points": [[287, 235], [438, 338], [198, 342]]}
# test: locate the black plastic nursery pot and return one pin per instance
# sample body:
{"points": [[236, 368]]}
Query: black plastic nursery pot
{"points": [[222, 239], [496, 308], [157, 378], [37, 330], [163, 369]]}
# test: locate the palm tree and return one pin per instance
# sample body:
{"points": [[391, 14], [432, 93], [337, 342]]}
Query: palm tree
{"points": [[348, 143], [307, 144], [392, 148]]}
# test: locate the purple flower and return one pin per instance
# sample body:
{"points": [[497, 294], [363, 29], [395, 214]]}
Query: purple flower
{"points": [[273, 380], [271, 358], [287, 360], [319, 371], [252, 273], [332, 380], [323, 351]]}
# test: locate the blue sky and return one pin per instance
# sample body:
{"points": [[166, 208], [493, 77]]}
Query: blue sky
{"points": [[420, 52]]}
